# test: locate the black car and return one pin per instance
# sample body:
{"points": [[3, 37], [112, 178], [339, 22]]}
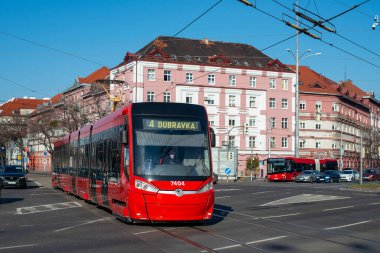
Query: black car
{"points": [[329, 176], [13, 175]]}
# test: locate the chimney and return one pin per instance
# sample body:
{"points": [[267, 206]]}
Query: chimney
{"points": [[205, 40]]}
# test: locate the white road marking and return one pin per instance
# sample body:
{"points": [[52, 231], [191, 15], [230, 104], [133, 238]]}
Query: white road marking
{"points": [[261, 192], [18, 246], [248, 243], [152, 231], [376, 203], [277, 216], [268, 239], [337, 208], [81, 224], [243, 214], [227, 190], [47, 208], [348, 225], [303, 198], [226, 247], [223, 197]]}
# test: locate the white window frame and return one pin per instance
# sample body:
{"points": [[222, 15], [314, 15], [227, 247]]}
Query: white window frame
{"points": [[167, 75], [167, 97], [252, 122], [211, 79], [150, 96], [252, 101], [232, 80], [318, 144], [272, 122], [231, 100], [151, 74], [252, 142], [284, 103], [302, 125], [285, 84], [252, 81], [189, 77], [318, 126], [302, 105], [284, 123], [284, 142], [272, 83], [272, 103]]}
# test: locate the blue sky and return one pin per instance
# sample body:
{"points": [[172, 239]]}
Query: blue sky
{"points": [[43, 43]]}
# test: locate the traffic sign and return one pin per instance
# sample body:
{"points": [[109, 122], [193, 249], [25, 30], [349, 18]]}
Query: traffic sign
{"points": [[19, 157], [227, 171]]}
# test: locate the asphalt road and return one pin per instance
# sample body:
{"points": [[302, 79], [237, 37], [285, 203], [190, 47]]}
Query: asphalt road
{"points": [[248, 217]]}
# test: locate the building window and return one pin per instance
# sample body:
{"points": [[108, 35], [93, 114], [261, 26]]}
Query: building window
{"points": [[318, 144], [252, 81], [302, 125], [211, 79], [272, 142], [231, 121], [272, 103], [302, 144], [167, 75], [284, 122], [284, 142], [302, 105], [284, 103], [232, 100], [189, 99], [318, 106], [151, 74], [272, 83], [210, 99], [150, 97], [167, 97], [231, 141], [252, 122], [317, 126], [334, 127], [285, 84], [252, 101], [252, 142], [232, 81], [211, 120], [272, 122], [335, 107], [334, 145], [189, 77]]}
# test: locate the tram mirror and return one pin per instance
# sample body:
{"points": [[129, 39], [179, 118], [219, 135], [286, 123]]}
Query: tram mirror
{"points": [[124, 137], [212, 137]]}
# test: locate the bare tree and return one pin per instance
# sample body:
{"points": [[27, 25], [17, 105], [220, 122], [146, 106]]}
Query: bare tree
{"points": [[14, 130]]}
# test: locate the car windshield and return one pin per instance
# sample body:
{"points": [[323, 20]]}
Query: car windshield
{"points": [[12, 169], [328, 172], [348, 172], [307, 172], [369, 171]]}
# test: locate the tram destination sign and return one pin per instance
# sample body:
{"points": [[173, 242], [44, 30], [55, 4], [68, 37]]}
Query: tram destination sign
{"points": [[168, 124]]}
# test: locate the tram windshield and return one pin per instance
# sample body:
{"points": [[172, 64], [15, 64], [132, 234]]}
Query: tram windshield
{"points": [[171, 148]]}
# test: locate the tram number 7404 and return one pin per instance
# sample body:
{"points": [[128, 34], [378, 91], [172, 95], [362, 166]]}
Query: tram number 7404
{"points": [[177, 183]]}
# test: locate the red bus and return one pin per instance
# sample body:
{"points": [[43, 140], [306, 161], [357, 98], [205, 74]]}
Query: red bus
{"points": [[145, 162], [287, 168]]}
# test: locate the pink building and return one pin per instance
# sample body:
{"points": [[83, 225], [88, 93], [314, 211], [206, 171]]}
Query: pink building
{"points": [[336, 115], [236, 83]]}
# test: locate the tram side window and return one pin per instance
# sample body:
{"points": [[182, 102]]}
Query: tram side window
{"points": [[99, 160], [115, 163], [65, 158]]}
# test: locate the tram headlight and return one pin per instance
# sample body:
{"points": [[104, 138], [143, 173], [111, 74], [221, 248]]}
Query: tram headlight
{"points": [[145, 186], [207, 187]]}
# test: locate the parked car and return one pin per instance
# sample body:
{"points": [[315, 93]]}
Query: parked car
{"points": [[349, 176], [307, 176], [371, 174], [14, 175], [329, 176], [215, 178]]}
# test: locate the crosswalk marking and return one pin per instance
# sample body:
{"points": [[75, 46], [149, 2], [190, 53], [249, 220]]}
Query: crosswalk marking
{"points": [[303, 198], [47, 208]]}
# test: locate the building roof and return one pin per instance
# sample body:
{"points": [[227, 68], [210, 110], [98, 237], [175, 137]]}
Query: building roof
{"points": [[17, 104], [205, 52], [101, 73], [313, 82]]}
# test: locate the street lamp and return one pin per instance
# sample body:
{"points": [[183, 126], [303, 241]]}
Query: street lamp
{"points": [[298, 60]]}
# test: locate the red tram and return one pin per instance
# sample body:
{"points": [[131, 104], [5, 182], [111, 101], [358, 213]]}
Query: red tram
{"points": [[287, 168], [145, 162]]}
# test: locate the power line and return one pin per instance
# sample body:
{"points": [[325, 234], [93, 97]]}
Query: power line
{"points": [[22, 86], [52, 48]]}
